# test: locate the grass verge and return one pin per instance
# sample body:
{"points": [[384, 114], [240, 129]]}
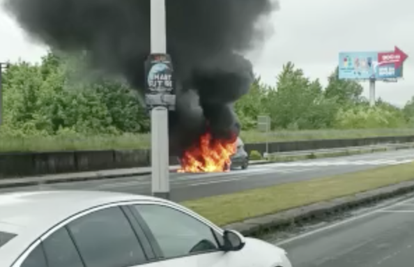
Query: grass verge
{"points": [[142, 141], [231, 208]]}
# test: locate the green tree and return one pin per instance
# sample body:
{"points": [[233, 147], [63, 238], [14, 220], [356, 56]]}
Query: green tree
{"points": [[250, 106], [408, 111], [42, 99], [297, 102], [344, 91], [62, 95]]}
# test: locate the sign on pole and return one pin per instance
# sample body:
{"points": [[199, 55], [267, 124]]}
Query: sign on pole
{"points": [[372, 66], [160, 82], [263, 125]]}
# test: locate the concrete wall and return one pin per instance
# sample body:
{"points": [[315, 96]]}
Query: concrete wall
{"points": [[41, 163], [322, 144]]}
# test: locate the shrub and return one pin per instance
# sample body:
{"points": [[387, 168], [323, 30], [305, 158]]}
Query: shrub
{"points": [[255, 155]]}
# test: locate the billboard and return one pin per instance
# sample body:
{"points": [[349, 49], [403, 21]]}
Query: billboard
{"points": [[371, 65]]}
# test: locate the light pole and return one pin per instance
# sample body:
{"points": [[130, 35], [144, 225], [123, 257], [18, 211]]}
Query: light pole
{"points": [[2, 67], [372, 92], [159, 98]]}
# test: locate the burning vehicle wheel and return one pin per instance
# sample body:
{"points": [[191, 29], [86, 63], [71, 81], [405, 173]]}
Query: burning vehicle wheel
{"points": [[245, 165]]}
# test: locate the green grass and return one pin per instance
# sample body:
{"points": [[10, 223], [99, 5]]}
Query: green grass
{"points": [[231, 208], [139, 141]]}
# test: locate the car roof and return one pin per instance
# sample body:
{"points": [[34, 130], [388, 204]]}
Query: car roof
{"points": [[30, 214], [23, 209]]}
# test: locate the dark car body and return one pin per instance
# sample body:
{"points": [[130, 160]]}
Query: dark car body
{"points": [[240, 158]]}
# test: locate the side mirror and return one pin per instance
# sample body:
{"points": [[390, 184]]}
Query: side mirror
{"points": [[233, 240]]}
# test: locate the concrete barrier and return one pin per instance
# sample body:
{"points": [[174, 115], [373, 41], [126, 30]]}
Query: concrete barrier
{"points": [[326, 144], [41, 163]]}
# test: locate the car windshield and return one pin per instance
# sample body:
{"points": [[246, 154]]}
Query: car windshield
{"points": [[5, 237], [239, 142]]}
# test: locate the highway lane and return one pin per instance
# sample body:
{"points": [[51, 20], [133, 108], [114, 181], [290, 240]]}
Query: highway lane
{"points": [[193, 186], [383, 237]]}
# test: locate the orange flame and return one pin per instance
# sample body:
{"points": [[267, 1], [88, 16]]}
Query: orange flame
{"points": [[210, 155]]}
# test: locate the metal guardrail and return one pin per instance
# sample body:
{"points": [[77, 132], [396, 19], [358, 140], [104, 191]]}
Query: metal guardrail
{"points": [[342, 132], [340, 149]]}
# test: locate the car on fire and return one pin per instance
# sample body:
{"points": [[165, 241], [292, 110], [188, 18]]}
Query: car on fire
{"points": [[107, 229], [241, 157]]}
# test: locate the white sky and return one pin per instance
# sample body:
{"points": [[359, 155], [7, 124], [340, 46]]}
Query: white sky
{"points": [[310, 33]]}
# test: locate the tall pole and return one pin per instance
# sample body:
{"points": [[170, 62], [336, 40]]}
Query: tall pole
{"points": [[160, 184], [1, 94], [372, 92], [2, 65], [158, 27]]}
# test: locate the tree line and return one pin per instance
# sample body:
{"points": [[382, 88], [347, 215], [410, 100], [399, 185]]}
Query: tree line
{"points": [[55, 97]]}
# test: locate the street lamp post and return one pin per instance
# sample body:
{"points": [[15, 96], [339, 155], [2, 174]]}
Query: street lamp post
{"points": [[2, 67], [372, 92], [160, 88]]}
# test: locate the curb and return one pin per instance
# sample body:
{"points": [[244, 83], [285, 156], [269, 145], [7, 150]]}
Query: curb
{"points": [[343, 153], [305, 214], [94, 176]]}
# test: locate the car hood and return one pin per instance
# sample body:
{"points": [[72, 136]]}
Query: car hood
{"points": [[270, 255]]}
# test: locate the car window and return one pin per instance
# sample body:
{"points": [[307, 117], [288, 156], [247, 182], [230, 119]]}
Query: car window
{"points": [[61, 251], [106, 239], [239, 142], [5, 237], [36, 258], [177, 233]]}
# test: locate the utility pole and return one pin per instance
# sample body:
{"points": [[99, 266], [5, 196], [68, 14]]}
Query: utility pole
{"points": [[372, 92], [2, 67], [160, 97]]}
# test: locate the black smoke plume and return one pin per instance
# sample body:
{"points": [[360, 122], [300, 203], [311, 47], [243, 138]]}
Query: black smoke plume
{"points": [[205, 39]]}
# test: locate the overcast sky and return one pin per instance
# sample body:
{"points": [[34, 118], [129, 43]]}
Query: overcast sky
{"points": [[309, 33]]}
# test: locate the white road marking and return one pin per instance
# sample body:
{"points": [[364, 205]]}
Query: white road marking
{"points": [[209, 177], [188, 180], [284, 168], [218, 181], [123, 184], [406, 204], [294, 170], [334, 225], [344, 163], [396, 211]]}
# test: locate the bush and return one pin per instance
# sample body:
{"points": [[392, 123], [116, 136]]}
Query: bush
{"points": [[361, 117], [255, 155]]}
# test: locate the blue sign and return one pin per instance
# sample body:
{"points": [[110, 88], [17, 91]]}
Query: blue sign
{"points": [[388, 71], [366, 65], [358, 65]]}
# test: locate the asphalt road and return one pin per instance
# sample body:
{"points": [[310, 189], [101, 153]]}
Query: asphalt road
{"points": [[383, 237], [193, 186]]}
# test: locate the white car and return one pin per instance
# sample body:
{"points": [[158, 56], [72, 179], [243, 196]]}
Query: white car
{"points": [[102, 229]]}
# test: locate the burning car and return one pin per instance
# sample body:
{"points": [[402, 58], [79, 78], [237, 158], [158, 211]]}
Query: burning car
{"points": [[214, 155], [241, 157]]}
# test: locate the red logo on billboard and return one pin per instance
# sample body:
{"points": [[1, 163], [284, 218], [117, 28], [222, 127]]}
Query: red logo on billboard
{"points": [[396, 57]]}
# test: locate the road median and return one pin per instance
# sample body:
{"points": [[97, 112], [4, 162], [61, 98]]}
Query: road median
{"points": [[144, 171], [260, 210]]}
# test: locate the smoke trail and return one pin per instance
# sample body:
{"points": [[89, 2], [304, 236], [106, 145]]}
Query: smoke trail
{"points": [[205, 40]]}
